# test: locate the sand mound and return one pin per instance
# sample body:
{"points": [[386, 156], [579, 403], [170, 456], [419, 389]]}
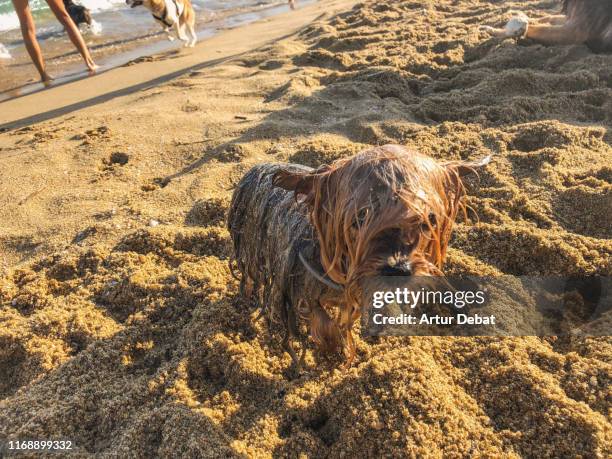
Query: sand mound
{"points": [[121, 327]]}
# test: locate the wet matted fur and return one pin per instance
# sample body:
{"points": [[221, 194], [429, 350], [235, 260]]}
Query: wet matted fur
{"points": [[387, 211]]}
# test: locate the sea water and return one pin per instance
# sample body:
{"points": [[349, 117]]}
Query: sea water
{"points": [[42, 14]]}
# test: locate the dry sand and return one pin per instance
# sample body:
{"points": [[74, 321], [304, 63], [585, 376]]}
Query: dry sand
{"points": [[128, 337]]}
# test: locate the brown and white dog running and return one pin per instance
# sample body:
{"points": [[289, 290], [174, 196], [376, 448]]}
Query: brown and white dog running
{"points": [[177, 15], [582, 21]]}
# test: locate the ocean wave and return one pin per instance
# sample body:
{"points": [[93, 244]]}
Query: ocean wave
{"points": [[4, 52], [101, 5], [96, 27], [9, 21], [42, 14]]}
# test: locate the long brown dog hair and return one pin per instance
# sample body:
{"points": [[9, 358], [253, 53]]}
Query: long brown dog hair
{"points": [[362, 205]]}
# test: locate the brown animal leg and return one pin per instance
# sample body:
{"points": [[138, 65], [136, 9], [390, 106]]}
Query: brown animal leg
{"points": [[555, 19], [494, 32], [324, 331], [303, 356], [246, 286], [347, 315], [289, 348], [349, 348], [556, 35]]}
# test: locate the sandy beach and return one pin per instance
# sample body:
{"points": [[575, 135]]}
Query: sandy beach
{"points": [[121, 327]]}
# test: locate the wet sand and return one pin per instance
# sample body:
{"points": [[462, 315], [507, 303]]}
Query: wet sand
{"points": [[120, 324]]}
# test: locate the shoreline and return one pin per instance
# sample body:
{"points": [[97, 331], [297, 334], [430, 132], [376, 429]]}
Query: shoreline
{"points": [[116, 51], [150, 69]]}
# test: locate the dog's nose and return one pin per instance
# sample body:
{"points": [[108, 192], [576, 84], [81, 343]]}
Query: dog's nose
{"points": [[399, 269]]}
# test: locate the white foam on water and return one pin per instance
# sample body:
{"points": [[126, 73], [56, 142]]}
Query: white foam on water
{"points": [[96, 27], [100, 5], [4, 53], [9, 20]]}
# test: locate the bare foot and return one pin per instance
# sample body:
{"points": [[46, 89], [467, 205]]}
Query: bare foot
{"points": [[46, 79], [92, 68]]}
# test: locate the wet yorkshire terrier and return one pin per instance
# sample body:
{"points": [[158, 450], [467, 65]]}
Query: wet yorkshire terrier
{"points": [[582, 21], [310, 242]]}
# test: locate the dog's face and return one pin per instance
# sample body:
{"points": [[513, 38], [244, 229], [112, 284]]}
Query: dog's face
{"points": [[78, 13], [83, 16], [384, 212]]}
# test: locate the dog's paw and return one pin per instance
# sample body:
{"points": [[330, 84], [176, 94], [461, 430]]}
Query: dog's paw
{"points": [[491, 31], [514, 28], [517, 26]]}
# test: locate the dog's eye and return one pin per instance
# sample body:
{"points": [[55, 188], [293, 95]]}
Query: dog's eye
{"points": [[432, 222]]}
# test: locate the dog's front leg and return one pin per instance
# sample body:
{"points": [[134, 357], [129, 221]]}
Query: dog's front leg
{"points": [[516, 27], [556, 35], [324, 330], [346, 324], [246, 286], [289, 348], [169, 34], [194, 38], [555, 19], [350, 351], [180, 32]]}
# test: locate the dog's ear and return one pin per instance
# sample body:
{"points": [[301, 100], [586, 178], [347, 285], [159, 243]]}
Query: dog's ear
{"points": [[459, 169], [298, 180], [291, 180]]}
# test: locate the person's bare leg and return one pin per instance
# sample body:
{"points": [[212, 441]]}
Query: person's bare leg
{"points": [[73, 32], [28, 30]]}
